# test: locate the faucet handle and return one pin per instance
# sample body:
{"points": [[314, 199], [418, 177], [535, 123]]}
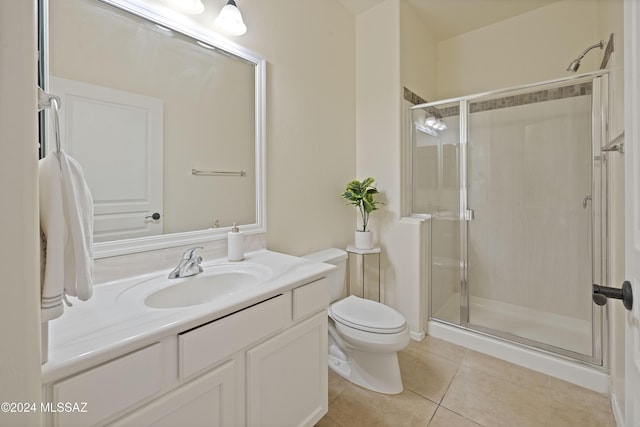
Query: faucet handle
{"points": [[188, 254]]}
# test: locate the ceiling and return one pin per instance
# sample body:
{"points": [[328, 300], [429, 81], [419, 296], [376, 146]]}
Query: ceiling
{"points": [[449, 18]]}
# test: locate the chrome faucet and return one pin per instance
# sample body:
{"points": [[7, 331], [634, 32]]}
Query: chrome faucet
{"points": [[188, 266]]}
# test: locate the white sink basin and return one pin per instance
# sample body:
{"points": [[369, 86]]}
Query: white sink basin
{"points": [[218, 281]]}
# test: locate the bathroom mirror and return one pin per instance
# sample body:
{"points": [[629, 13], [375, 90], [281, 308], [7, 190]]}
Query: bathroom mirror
{"points": [[165, 117]]}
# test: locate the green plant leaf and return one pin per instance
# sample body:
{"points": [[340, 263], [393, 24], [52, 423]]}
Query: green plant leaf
{"points": [[367, 182]]}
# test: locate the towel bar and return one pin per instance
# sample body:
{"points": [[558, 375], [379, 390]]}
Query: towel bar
{"points": [[217, 173]]}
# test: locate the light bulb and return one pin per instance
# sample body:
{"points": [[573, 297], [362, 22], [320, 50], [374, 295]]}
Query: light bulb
{"points": [[230, 20]]}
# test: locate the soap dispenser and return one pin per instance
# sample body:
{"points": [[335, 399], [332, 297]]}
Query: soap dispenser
{"points": [[235, 244]]}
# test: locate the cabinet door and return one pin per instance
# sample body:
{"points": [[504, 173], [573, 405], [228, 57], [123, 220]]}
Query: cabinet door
{"points": [[287, 377], [110, 388], [206, 401]]}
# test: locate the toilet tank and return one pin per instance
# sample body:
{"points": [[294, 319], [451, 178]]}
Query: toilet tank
{"points": [[337, 278]]}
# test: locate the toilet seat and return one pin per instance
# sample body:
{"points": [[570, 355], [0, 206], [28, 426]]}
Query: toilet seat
{"points": [[367, 315]]}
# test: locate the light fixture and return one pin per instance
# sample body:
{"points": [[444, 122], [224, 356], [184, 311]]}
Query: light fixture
{"points": [[230, 20], [193, 7], [435, 122], [441, 126]]}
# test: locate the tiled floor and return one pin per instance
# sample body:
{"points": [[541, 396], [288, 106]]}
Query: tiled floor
{"points": [[449, 386]]}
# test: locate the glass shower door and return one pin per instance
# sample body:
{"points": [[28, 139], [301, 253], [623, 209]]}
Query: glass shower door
{"points": [[436, 191], [530, 185]]}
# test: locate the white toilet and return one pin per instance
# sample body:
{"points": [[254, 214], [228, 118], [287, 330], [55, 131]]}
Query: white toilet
{"points": [[364, 336]]}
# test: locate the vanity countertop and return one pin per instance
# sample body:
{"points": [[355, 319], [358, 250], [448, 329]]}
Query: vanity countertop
{"points": [[116, 321]]}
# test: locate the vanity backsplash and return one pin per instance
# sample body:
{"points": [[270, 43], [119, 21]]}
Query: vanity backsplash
{"points": [[124, 266]]}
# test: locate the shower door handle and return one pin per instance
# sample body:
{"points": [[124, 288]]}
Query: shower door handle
{"points": [[584, 202], [601, 293]]}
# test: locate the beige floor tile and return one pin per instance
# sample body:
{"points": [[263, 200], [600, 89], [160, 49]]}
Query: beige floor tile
{"points": [[510, 372], [563, 393], [426, 374], [327, 421], [446, 418], [448, 350], [568, 416], [357, 407], [492, 401], [337, 385]]}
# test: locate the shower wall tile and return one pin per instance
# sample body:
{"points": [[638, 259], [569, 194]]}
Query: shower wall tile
{"points": [[412, 97], [445, 272], [545, 95], [425, 175]]}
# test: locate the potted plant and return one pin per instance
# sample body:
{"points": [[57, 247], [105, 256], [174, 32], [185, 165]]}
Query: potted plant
{"points": [[362, 195]]}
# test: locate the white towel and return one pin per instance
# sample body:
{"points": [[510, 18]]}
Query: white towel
{"points": [[52, 234], [66, 222], [78, 214]]}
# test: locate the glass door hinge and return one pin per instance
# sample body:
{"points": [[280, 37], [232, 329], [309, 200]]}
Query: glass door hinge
{"points": [[469, 215]]}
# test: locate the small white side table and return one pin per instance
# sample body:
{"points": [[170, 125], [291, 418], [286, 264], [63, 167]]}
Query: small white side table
{"points": [[366, 286]]}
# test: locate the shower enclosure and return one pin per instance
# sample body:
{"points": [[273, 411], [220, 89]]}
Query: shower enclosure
{"points": [[512, 181]]}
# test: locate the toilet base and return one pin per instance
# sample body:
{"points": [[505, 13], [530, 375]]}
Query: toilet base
{"points": [[379, 372]]}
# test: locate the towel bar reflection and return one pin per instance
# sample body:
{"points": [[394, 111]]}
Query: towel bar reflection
{"points": [[217, 173]]}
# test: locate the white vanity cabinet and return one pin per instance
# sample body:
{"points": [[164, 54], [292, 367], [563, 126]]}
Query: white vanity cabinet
{"points": [[287, 377], [208, 400], [265, 365]]}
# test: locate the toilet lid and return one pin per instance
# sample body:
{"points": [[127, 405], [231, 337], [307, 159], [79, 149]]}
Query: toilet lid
{"points": [[367, 315]]}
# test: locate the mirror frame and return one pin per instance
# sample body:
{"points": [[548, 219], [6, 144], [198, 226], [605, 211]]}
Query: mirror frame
{"points": [[175, 21]]}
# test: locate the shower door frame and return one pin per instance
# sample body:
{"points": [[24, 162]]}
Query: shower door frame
{"points": [[599, 132]]}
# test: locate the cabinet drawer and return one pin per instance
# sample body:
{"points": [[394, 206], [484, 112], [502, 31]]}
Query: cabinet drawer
{"points": [[110, 388], [311, 298], [205, 346]]}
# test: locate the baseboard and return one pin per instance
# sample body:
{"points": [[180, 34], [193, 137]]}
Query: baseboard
{"points": [[617, 412], [417, 336]]}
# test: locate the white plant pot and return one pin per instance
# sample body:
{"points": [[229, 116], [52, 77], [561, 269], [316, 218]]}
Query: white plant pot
{"points": [[364, 239]]}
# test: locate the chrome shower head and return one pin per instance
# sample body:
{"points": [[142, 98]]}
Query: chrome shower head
{"points": [[575, 64], [573, 67]]}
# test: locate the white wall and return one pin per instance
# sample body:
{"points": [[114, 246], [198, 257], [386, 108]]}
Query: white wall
{"points": [[310, 49], [19, 251], [378, 112], [532, 47], [418, 54]]}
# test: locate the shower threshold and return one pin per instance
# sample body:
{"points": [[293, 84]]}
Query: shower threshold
{"points": [[549, 329]]}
